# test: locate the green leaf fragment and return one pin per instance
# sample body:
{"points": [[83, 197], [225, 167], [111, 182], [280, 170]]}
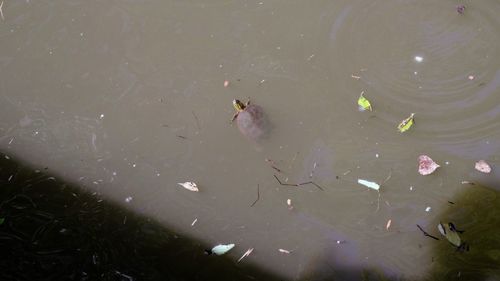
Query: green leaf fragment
{"points": [[406, 124], [2, 220], [363, 103]]}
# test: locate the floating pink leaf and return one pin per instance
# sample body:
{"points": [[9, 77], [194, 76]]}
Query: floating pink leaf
{"points": [[483, 167], [426, 166]]}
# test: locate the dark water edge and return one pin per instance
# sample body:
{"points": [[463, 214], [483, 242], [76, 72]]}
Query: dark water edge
{"points": [[54, 230]]}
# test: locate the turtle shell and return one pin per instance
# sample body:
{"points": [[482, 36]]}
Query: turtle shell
{"points": [[252, 122]]}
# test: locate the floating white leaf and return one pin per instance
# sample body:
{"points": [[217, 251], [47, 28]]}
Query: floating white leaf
{"points": [[483, 167], [189, 186], [426, 165], [369, 184], [284, 251], [388, 224], [222, 249], [441, 229]]}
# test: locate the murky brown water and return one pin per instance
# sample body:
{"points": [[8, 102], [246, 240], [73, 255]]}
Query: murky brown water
{"points": [[127, 98]]}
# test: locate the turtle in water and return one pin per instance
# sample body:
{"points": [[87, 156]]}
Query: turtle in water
{"points": [[251, 120]]}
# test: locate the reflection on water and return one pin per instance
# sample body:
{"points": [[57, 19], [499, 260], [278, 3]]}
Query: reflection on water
{"points": [[127, 98]]}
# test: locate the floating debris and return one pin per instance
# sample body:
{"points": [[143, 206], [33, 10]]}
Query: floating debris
{"points": [[419, 58], [388, 224], [128, 199], [284, 251], [298, 184], [273, 165], [221, 249], [461, 9], [195, 220], [428, 209], [406, 124], [451, 233], [189, 186], [426, 165], [369, 184], [246, 254], [289, 203], [1, 11], [258, 196], [426, 234], [226, 83], [197, 120], [483, 167], [468, 182], [363, 103]]}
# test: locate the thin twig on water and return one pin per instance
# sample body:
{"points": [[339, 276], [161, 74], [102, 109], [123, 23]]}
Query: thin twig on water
{"points": [[258, 196], [378, 202], [388, 177], [273, 165], [197, 121], [298, 184], [288, 184], [1, 11], [293, 160], [426, 234], [312, 171], [182, 137], [310, 182]]}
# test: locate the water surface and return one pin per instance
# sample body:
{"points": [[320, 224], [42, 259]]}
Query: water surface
{"points": [[127, 98]]}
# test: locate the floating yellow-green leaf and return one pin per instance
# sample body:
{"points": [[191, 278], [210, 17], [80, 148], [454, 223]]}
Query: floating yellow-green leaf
{"points": [[363, 103], [406, 124]]}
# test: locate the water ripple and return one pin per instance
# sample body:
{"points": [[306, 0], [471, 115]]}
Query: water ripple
{"points": [[429, 60]]}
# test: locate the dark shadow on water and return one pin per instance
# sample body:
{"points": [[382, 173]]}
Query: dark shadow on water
{"points": [[477, 212], [55, 231]]}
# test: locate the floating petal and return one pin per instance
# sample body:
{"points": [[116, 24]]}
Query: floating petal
{"points": [[189, 186], [483, 167], [426, 166]]}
